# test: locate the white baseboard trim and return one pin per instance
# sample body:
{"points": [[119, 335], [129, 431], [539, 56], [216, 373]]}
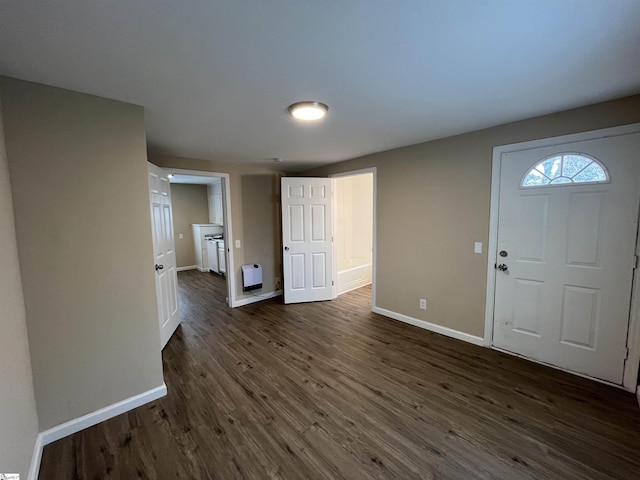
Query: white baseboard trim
{"points": [[200, 269], [89, 420], [34, 469], [449, 332], [189, 267], [257, 298], [93, 418]]}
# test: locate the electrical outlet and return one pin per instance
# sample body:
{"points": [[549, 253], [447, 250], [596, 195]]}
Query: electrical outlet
{"points": [[423, 303], [180, 236], [238, 244], [278, 283]]}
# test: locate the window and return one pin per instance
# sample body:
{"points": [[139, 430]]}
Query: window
{"points": [[564, 169]]}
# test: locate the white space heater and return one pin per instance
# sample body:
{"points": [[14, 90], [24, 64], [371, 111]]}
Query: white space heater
{"points": [[251, 277]]}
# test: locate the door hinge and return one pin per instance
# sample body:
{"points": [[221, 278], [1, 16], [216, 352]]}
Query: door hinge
{"points": [[635, 261], [332, 283], [626, 353]]}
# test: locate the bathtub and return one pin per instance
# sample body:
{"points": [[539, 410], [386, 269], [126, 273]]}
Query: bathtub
{"points": [[353, 273]]}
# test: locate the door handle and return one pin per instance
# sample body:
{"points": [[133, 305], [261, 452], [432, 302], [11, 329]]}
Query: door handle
{"points": [[159, 267], [286, 249], [502, 267]]}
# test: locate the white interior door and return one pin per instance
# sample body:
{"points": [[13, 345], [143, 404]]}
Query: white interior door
{"points": [[566, 253], [307, 239], [164, 252]]}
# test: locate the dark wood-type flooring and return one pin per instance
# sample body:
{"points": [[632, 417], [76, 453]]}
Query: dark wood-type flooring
{"points": [[330, 390]]}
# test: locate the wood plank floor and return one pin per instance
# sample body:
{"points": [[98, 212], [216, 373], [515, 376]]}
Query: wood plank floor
{"points": [[330, 390]]}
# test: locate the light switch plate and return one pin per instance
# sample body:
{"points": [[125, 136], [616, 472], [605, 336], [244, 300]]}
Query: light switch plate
{"points": [[238, 243], [180, 236], [477, 247]]}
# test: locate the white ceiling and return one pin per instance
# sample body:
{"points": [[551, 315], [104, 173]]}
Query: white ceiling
{"points": [[216, 76]]}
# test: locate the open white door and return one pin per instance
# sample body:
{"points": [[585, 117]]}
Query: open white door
{"points": [[164, 252], [307, 236]]}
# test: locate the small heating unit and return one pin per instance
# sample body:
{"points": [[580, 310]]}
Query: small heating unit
{"points": [[251, 277]]}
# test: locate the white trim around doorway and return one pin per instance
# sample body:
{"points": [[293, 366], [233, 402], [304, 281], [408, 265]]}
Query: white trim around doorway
{"points": [[374, 256], [228, 231], [630, 376]]}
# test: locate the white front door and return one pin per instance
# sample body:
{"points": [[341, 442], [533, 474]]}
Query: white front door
{"points": [[307, 239], [566, 253], [164, 252]]}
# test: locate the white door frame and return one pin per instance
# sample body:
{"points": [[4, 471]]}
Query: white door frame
{"points": [[630, 376], [228, 231], [374, 256]]}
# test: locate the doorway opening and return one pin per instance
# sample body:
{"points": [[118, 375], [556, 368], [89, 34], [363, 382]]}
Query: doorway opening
{"points": [[354, 231], [202, 228]]}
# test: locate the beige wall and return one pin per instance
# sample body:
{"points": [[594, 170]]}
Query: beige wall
{"points": [[79, 181], [261, 226], [354, 218], [255, 214], [190, 205], [18, 416], [433, 203]]}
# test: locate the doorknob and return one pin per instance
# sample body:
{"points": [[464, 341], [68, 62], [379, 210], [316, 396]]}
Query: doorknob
{"points": [[286, 249], [502, 267], [159, 267]]}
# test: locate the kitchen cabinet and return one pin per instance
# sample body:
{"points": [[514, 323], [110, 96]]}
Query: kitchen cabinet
{"points": [[200, 243], [218, 216], [217, 256], [212, 254], [222, 258], [216, 213]]}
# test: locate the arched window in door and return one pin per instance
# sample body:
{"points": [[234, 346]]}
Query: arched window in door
{"points": [[565, 168]]}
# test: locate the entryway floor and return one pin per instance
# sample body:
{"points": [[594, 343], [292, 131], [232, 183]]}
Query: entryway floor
{"points": [[330, 390]]}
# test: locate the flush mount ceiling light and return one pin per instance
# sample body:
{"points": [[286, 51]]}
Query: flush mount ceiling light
{"points": [[308, 111]]}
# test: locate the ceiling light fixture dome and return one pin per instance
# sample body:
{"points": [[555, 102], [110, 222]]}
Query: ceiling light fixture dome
{"points": [[308, 111]]}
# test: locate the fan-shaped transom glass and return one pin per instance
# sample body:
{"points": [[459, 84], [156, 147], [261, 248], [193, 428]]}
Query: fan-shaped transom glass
{"points": [[564, 169]]}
